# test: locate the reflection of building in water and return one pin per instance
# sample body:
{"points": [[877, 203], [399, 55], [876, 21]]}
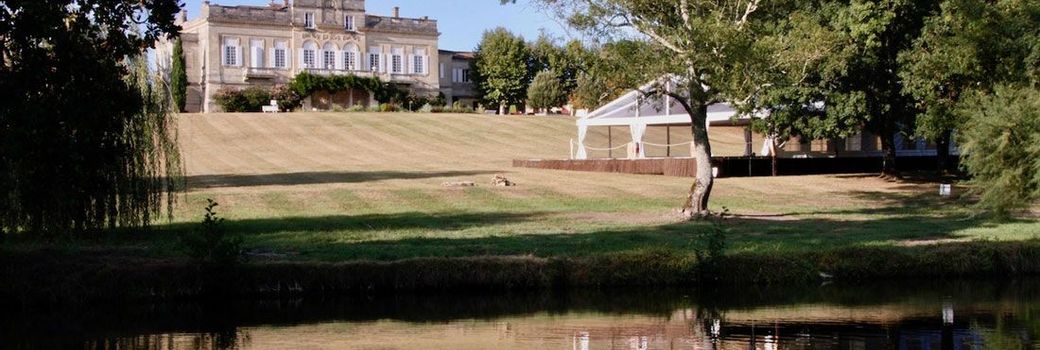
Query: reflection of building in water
{"points": [[581, 341], [915, 334]]}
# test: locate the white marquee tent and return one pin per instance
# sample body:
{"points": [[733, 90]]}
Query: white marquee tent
{"points": [[638, 111]]}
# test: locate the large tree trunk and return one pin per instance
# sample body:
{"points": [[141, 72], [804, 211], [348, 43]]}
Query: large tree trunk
{"points": [[888, 149], [942, 153], [697, 201]]}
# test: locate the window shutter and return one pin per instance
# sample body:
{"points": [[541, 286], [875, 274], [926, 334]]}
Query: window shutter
{"points": [[238, 56], [426, 65], [302, 63], [406, 66]]}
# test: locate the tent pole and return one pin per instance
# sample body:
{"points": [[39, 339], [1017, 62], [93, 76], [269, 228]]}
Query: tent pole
{"points": [[610, 144], [668, 141]]}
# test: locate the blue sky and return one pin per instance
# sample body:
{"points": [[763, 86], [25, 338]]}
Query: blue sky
{"points": [[461, 22]]}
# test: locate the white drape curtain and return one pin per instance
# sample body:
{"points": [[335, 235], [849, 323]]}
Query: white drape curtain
{"points": [[583, 130], [637, 131], [767, 147]]}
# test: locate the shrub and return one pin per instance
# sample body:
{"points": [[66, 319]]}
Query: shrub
{"points": [[388, 107], [288, 99], [1001, 148], [460, 110], [546, 91], [251, 99], [211, 244], [256, 98], [357, 108], [426, 108]]}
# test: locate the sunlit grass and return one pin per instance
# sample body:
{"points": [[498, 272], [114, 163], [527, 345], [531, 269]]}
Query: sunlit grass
{"points": [[336, 187]]}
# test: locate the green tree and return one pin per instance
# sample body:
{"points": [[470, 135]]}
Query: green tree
{"points": [[839, 70], [705, 46], [969, 45], [500, 69], [606, 72], [1002, 147], [179, 77], [85, 132], [546, 91]]}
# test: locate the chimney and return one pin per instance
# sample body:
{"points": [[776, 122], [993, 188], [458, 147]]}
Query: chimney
{"points": [[397, 12], [182, 17]]}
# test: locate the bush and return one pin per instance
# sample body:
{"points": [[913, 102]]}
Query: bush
{"points": [[288, 99], [546, 91], [460, 110], [211, 244], [251, 99], [1001, 148]]}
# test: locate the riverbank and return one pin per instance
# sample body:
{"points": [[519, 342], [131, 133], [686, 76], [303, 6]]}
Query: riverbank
{"points": [[52, 276]]}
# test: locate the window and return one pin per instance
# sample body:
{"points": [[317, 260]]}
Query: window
{"points": [[350, 57], [419, 62], [231, 52], [308, 20], [442, 71], [328, 55], [280, 58], [397, 61], [373, 61], [460, 75], [309, 55], [348, 22], [256, 47]]}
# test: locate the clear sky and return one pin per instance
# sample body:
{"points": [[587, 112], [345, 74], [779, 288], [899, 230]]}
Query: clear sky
{"points": [[461, 22]]}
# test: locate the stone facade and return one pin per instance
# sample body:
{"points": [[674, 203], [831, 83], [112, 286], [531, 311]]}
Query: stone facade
{"points": [[241, 46], [455, 78]]}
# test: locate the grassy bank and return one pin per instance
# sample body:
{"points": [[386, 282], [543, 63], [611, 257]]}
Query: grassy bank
{"points": [[53, 277], [339, 198]]}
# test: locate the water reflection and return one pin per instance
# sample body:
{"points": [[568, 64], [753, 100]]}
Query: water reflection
{"points": [[937, 315]]}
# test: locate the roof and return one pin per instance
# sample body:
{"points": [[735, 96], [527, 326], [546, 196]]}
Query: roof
{"points": [[401, 25], [635, 107], [459, 55], [277, 15]]}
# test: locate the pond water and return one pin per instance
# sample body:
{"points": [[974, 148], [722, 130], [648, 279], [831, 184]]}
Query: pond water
{"points": [[905, 315]]}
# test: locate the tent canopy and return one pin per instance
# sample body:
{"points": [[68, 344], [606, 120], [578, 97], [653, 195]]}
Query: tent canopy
{"points": [[635, 107]]}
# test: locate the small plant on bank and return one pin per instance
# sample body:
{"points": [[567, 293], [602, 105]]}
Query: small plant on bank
{"points": [[211, 243], [710, 247]]}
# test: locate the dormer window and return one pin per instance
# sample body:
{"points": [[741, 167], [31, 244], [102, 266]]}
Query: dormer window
{"points": [[308, 20], [348, 23]]}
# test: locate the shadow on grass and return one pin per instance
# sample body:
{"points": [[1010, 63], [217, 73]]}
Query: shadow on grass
{"points": [[370, 222], [311, 178], [373, 237]]}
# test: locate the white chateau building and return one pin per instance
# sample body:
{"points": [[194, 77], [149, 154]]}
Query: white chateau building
{"points": [[241, 46]]}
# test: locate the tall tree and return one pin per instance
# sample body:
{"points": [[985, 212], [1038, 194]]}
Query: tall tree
{"points": [[546, 91], [848, 78], [969, 46], [501, 69], [706, 45], [179, 77], [85, 138]]}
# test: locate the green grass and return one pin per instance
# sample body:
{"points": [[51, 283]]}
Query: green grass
{"points": [[334, 187]]}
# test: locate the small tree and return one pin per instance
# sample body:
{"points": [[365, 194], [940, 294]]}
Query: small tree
{"points": [[546, 91], [179, 77], [500, 69], [1002, 148]]}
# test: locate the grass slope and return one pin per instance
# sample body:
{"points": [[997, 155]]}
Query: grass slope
{"points": [[336, 187]]}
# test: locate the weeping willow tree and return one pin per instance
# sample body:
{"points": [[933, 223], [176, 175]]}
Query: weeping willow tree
{"points": [[86, 136]]}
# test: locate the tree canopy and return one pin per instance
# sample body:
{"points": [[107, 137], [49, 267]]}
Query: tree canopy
{"points": [[86, 141], [546, 91], [501, 68], [179, 77]]}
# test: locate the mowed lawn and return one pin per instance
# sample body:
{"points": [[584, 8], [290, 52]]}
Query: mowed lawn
{"points": [[347, 186]]}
